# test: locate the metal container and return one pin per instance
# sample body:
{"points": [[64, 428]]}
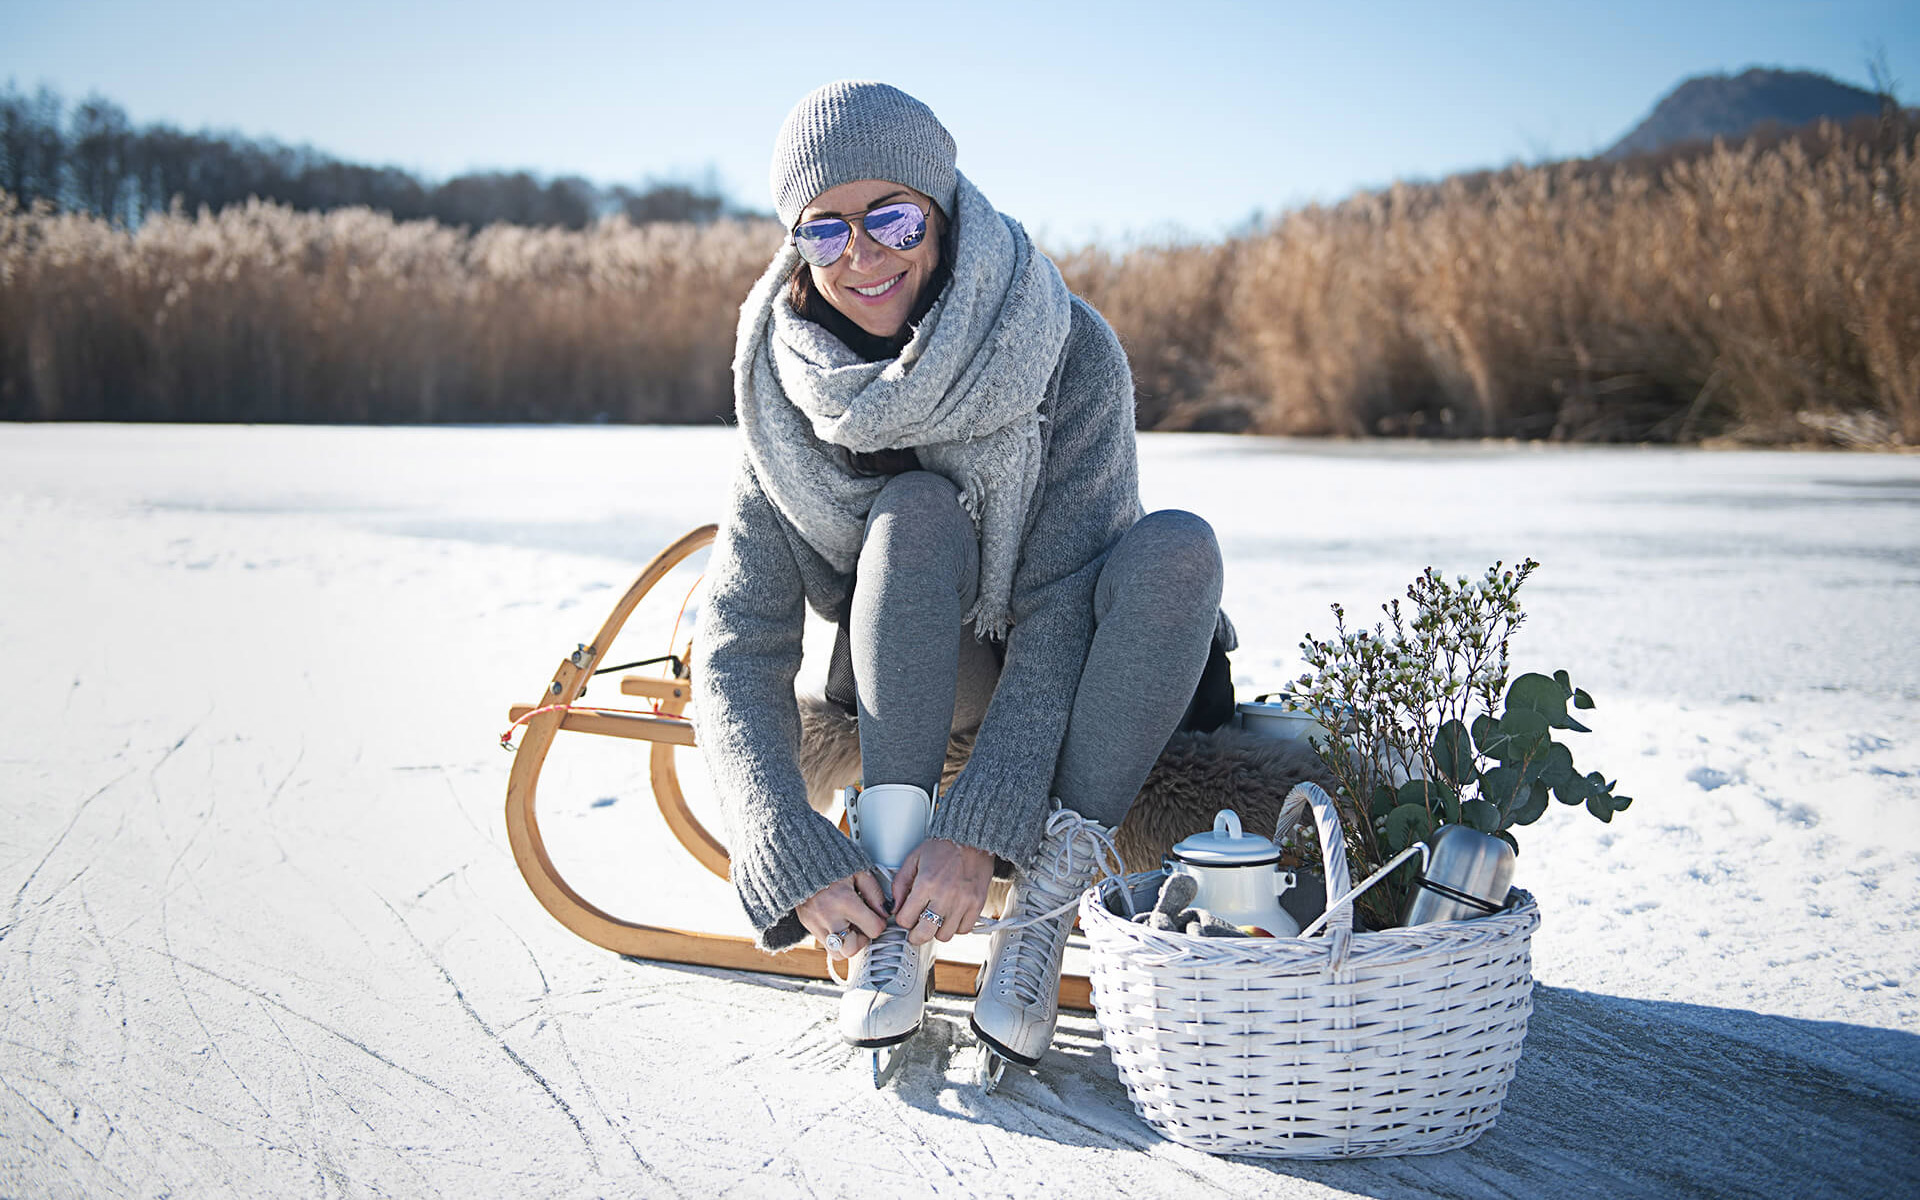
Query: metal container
{"points": [[1276, 719], [1238, 876], [1468, 874]]}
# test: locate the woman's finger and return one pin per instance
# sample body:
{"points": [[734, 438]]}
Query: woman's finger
{"points": [[852, 942], [858, 913], [905, 878], [907, 910], [868, 889], [962, 910], [921, 901]]}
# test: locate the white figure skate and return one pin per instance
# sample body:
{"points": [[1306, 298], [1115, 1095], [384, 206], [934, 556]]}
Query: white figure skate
{"points": [[1017, 1004], [886, 996]]}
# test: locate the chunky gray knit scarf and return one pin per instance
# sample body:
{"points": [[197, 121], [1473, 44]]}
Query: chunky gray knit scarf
{"points": [[964, 394]]}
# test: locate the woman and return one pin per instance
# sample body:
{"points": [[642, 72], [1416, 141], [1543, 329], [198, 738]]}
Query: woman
{"points": [[939, 456]]}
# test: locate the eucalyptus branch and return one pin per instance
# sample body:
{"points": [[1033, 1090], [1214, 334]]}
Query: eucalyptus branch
{"points": [[1416, 736]]}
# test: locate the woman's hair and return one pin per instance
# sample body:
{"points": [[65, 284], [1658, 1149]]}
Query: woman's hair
{"points": [[809, 303]]}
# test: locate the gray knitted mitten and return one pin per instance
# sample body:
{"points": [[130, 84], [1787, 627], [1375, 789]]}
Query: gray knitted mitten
{"points": [[1175, 894], [1171, 913]]}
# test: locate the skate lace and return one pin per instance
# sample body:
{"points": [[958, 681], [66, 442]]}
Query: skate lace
{"points": [[885, 960], [1072, 851]]}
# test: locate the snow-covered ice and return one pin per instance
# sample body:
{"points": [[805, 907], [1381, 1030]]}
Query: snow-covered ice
{"points": [[263, 934]]}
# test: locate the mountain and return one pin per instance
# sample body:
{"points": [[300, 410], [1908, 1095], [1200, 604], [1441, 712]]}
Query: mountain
{"points": [[1710, 106]]}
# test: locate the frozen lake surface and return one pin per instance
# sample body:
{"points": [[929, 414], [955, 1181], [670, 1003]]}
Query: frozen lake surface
{"points": [[263, 934]]}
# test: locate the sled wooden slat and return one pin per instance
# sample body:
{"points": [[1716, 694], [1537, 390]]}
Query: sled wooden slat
{"points": [[656, 689], [644, 727], [658, 942]]}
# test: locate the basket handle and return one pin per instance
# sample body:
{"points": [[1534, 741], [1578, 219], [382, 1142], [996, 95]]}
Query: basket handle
{"points": [[1333, 838]]}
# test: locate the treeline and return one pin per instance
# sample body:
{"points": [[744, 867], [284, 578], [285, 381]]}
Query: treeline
{"points": [[92, 159], [1767, 291]]}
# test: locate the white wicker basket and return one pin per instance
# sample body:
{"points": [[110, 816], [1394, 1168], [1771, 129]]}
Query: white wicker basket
{"points": [[1346, 1044]]}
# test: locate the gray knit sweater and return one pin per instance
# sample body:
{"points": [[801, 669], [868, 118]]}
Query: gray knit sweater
{"points": [[761, 574]]}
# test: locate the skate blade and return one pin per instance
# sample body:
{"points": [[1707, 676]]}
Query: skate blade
{"points": [[992, 1067], [886, 1061]]}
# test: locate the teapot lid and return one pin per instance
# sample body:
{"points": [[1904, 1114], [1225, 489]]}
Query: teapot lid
{"points": [[1227, 846]]}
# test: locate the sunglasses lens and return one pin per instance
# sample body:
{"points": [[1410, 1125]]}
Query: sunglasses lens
{"points": [[900, 226], [822, 242]]}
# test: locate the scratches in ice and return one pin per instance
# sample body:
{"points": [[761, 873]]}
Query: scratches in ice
{"points": [[493, 1035], [20, 895]]}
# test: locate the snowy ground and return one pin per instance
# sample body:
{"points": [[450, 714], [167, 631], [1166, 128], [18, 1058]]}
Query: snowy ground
{"points": [[263, 935]]}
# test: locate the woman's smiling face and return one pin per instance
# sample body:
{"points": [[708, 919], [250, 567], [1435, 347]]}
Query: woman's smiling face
{"points": [[874, 285]]}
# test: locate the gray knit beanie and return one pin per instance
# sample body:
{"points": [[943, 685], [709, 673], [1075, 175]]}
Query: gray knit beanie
{"points": [[859, 129]]}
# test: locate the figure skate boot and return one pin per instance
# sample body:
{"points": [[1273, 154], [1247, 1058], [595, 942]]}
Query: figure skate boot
{"points": [[1016, 1007], [887, 993]]}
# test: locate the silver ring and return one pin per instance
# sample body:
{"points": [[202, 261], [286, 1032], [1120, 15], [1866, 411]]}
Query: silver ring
{"points": [[837, 941], [930, 915]]}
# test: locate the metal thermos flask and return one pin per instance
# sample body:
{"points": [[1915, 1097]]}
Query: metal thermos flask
{"points": [[1468, 874]]}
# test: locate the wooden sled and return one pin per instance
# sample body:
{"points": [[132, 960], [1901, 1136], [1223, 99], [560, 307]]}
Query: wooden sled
{"points": [[558, 710]]}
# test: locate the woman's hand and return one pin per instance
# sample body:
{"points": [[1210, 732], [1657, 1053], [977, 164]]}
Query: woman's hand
{"points": [[946, 877], [852, 907]]}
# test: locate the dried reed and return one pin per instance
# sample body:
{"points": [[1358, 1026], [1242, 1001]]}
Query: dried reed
{"points": [[260, 313], [1767, 292]]}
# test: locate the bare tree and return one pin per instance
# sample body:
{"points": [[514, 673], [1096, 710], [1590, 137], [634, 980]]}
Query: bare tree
{"points": [[98, 143], [32, 145]]}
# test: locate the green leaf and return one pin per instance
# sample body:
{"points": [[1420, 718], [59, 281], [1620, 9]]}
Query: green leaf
{"points": [[1480, 815], [1520, 734], [1506, 837], [1486, 731], [1542, 694], [1430, 794], [1497, 786], [1581, 699], [1528, 811], [1602, 807], [1556, 765], [1406, 825], [1538, 759], [1453, 754], [1384, 798], [1522, 796], [1622, 803], [1565, 681]]}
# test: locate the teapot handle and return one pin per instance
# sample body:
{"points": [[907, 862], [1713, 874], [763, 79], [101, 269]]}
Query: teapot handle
{"points": [[1227, 822]]}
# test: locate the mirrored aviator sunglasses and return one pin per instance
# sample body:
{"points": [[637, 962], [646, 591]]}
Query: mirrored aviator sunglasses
{"points": [[823, 240]]}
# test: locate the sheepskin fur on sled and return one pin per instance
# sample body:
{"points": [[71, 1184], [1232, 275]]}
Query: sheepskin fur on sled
{"points": [[1198, 774]]}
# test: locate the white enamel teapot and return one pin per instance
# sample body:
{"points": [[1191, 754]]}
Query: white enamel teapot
{"points": [[1238, 875]]}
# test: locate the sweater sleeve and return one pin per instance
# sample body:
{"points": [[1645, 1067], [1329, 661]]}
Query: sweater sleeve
{"points": [[749, 724], [1090, 495]]}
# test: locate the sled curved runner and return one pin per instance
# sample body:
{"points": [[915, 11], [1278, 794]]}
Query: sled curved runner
{"points": [[667, 731]]}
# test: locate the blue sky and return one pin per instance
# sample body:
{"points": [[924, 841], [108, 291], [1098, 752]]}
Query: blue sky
{"points": [[1113, 120]]}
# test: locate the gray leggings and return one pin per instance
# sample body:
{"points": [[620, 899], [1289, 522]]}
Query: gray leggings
{"points": [[919, 673]]}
